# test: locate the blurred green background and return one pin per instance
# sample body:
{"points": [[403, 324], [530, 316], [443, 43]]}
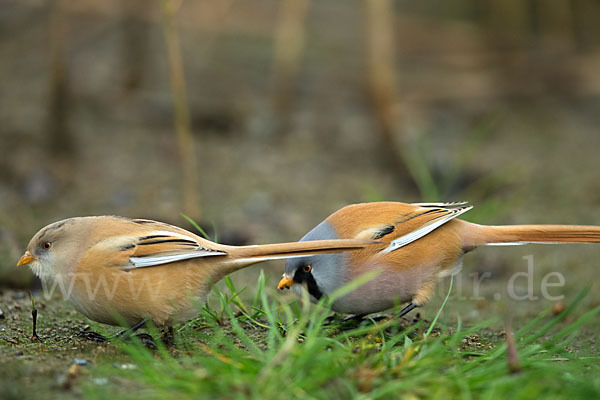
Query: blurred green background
{"points": [[261, 118]]}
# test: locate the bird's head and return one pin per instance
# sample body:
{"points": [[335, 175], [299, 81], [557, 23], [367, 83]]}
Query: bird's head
{"points": [[319, 274], [45, 246]]}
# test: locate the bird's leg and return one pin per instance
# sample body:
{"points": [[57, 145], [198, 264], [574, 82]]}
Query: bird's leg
{"points": [[407, 309], [34, 335], [422, 297], [124, 334], [144, 338], [425, 293]]}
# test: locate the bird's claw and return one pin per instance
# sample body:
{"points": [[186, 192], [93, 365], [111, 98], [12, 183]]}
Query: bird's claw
{"points": [[93, 336], [36, 338], [147, 340]]}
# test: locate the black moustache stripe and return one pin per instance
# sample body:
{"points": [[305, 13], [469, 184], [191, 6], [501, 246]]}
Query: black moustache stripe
{"points": [[311, 284]]}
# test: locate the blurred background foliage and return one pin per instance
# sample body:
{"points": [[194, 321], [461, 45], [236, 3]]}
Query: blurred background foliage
{"points": [[262, 117]]}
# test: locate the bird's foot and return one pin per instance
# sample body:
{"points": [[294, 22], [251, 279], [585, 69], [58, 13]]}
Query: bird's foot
{"points": [[146, 340], [36, 338], [378, 318], [351, 320], [93, 336], [124, 334]]}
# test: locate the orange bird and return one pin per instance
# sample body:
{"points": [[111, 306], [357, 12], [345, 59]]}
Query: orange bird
{"points": [[419, 244], [140, 270]]}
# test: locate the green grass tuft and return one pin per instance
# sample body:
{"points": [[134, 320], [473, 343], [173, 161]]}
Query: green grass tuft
{"points": [[269, 349]]}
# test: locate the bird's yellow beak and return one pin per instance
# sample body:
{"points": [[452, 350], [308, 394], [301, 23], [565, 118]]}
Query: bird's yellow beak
{"points": [[25, 259], [285, 283]]}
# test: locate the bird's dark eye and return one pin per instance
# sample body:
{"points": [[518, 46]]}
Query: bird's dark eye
{"points": [[46, 245], [307, 268]]}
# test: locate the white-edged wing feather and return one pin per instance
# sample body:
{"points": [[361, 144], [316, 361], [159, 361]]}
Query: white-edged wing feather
{"points": [[165, 247], [428, 227], [443, 205], [139, 262]]}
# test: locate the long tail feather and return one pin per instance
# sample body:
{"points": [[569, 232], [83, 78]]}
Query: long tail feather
{"points": [[478, 235], [252, 254]]}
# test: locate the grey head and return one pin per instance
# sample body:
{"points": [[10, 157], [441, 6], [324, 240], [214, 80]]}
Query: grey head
{"points": [[320, 274]]}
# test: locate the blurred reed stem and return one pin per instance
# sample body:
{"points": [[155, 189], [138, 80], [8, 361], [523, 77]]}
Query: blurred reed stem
{"points": [[381, 80], [290, 38], [134, 43], [59, 135], [185, 141]]}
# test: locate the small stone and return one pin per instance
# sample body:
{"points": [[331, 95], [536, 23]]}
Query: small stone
{"points": [[2, 316], [125, 366], [80, 361], [100, 381], [62, 382], [201, 373]]}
